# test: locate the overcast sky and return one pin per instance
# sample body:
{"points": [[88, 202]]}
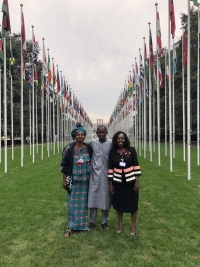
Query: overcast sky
{"points": [[95, 42]]}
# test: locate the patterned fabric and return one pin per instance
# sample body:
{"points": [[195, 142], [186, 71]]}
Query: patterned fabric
{"points": [[77, 200]]}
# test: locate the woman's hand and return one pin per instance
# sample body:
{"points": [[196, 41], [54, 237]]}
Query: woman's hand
{"points": [[136, 185], [111, 189], [64, 183]]}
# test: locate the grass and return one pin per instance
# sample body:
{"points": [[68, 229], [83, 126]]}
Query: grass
{"points": [[33, 218]]}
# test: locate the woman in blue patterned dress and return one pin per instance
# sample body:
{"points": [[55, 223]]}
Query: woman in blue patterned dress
{"points": [[75, 166]]}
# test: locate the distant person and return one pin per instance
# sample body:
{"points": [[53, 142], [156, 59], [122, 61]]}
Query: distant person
{"points": [[99, 195], [75, 166], [123, 173]]}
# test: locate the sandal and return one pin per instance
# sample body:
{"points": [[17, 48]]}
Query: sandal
{"points": [[133, 233], [120, 231], [68, 232]]}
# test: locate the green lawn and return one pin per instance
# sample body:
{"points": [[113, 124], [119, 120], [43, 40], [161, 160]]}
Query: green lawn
{"points": [[33, 218]]}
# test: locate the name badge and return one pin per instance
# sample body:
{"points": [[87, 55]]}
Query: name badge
{"points": [[122, 164]]}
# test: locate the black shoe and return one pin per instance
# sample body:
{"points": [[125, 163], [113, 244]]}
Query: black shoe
{"points": [[91, 226], [105, 226]]}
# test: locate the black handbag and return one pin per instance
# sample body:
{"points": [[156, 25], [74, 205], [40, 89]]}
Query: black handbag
{"points": [[69, 184]]}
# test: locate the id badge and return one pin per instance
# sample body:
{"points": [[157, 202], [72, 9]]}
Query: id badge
{"points": [[122, 164]]}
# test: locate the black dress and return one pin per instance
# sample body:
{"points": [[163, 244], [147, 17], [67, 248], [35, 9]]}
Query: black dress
{"points": [[125, 199]]}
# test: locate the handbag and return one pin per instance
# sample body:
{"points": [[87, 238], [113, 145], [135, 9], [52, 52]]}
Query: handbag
{"points": [[69, 184]]}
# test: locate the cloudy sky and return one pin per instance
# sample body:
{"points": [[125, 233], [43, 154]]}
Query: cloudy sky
{"points": [[95, 42]]}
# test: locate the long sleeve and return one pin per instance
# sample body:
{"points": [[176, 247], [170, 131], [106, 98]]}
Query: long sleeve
{"points": [[65, 164], [110, 166], [136, 165]]}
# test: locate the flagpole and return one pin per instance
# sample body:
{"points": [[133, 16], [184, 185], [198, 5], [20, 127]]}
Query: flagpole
{"points": [[198, 141], [170, 92], [139, 108], [54, 144], [22, 104], [183, 91], [188, 102], [154, 117], [48, 108], [42, 116], [0, 115], [33, 100], [173, 102], [42, 104], [58, 134], [158, 89], [145, 108], [11, 99], [36, 117], [150, 114], [165, 102], [30, 130], [5, 109]]}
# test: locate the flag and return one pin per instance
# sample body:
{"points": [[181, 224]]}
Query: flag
{"points": [[167, 66], [11, 62], [159, 41], [30, 75], [6, 19], [23, 34], [58, 82], [137, 83], [172, 18], [44, 62], [160, 74], [35, 51], [184, 40], [36, 81], [1, 54], [54, 76], [146, 66], [174, 59], [195, 2], [151, 56], [141, 68], [154, 78], [147, 90], [49, 70]]}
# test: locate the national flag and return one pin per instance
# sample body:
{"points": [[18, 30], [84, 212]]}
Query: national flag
{"points": [[147, 90], [167, 66], [151, 56], [23, 36], [23, 33], [160, 75], [58, 82], [11, 61], [1, 54], [195, 2], [49, 69], [159, 41], [184, 40], [54, 76], [174, 59], [44, 62], [35, 51], [137, 83], [154, 78], [6, 19], [130, 87], [146, 65], [172, 18], [36, 81], [30, 75], [141, 68]]}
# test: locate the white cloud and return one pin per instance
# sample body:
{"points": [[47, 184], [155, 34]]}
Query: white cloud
{"points": [[94, 42]]}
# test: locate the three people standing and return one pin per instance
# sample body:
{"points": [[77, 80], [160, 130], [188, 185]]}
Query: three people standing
{"points": [[88, 168]]}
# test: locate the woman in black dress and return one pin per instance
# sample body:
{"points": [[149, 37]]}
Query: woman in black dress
{"points": [[124, 172]]}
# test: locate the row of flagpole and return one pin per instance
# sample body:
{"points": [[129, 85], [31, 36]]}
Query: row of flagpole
{"points": [[120, 113], [67, 103]]}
